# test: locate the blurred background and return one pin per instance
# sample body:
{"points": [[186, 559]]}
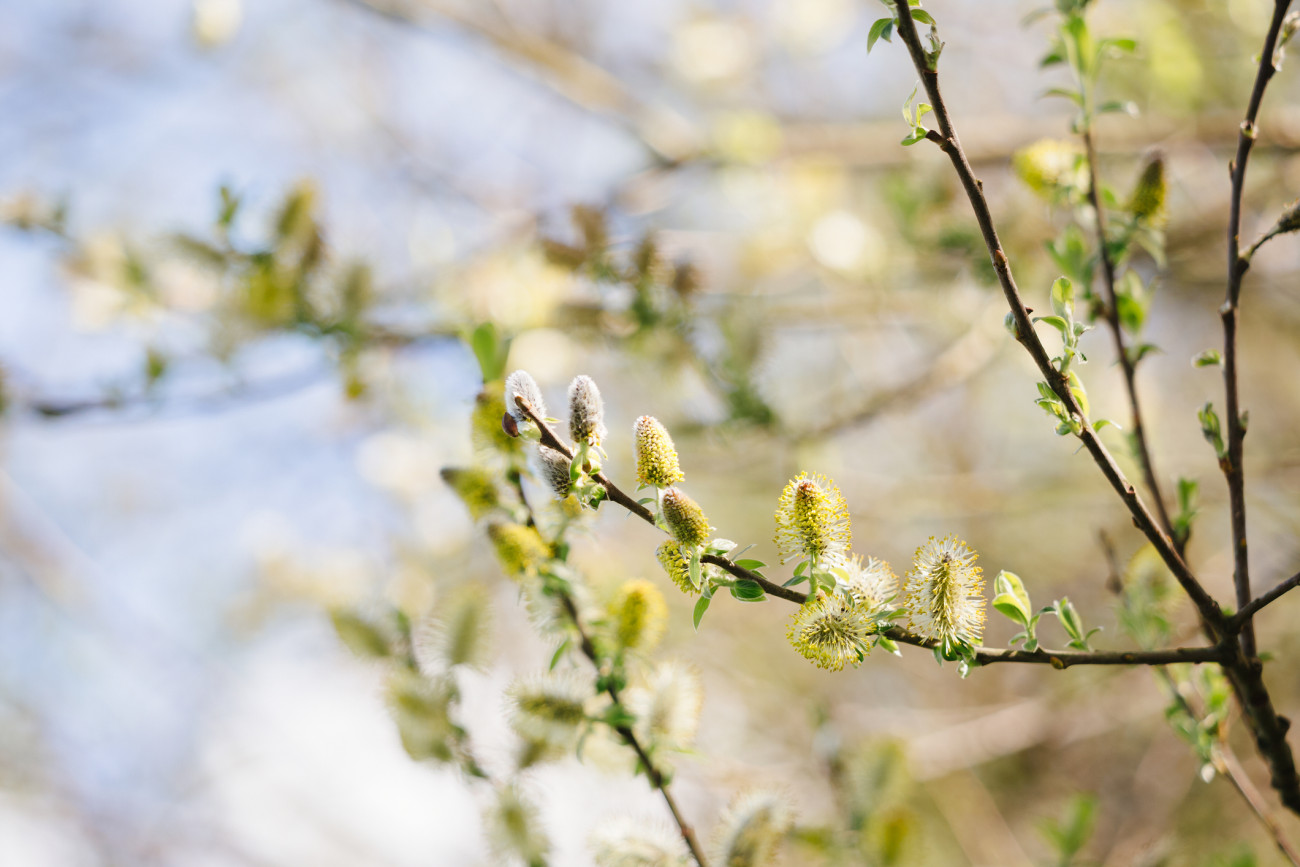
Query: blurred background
{"points": [[243, 241]]}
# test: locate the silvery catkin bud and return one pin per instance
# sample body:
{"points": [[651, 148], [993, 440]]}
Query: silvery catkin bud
{"points": [[520, 383], [685, 518], [586, 411], [656, 458], [555, 469]]}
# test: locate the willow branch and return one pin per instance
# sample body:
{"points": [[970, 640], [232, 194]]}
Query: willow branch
{"points": [[1252, 608], [1059, 659], [946, 138], [1232, 464], [1126, 363], [652, 771], [1245, 673], [656, 777]]}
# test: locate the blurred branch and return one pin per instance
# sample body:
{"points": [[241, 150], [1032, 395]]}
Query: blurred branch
{"points": [[958, 362], [664, 133], [653, 773], [223, 398], [1237, 265]]}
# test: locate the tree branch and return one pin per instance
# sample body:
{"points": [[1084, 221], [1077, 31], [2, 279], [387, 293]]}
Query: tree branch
{"points": [[1121, 350], [1059, 659], [1283, 587], [652, 772], [1237, 264], [947, 140], [1244, 672]]}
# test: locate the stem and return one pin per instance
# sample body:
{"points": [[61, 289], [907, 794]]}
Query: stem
{"points": [[947, 140], [1243, 671], [652, 772], [1121, 350], [1245, 614], [1232, 466], [1058, 659]]}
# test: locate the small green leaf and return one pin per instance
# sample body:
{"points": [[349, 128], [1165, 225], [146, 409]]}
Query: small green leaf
{"points": [[559, 654], [701, 606], [1009, 607], [1009, 583], [1056, 322], [922, 16], [751, 565], [747, 591], [878, 32], [1208, 358]]}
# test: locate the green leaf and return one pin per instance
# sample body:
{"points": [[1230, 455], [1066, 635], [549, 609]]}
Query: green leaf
{"points": [[1009, 607], [1062, 297], [701, 606], [1105, 422], [693, 569], [1208, 358], [1066, 93], [559, 654], [878, 32], [1009, 583], [922, 16], [751, 565], [1056, 322], [747, 591]]}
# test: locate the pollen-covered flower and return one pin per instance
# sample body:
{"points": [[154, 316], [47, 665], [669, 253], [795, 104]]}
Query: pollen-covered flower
{"points": [[638, 615], [555, 469], [586, 411], [667, 705], [475, 487], [550, 708], [521, 384], [514, 828], [656, 457], [676, 565], [1148, 200], [751, 829], [685, 518], [832, 631], [871, 582], [1050, 166], [520, 549], [945, 593], [638, 843], [812, 520]]}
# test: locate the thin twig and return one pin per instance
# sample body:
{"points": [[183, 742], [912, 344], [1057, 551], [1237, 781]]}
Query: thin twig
{"points": [[1126, 363], [1059, 659], [1244, 673], [652, 772], [1245, 614], [946, 138], [1241, 781], [1232, 464]]}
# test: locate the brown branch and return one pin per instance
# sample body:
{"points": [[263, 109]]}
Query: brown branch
{"points": [[947, 140], [652, 772], [1126, 363], [1232, 465], [1059, 659], [1283, 587], [664, 133], [1244, 672]]}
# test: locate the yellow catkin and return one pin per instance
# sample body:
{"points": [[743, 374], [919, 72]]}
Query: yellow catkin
{"points": [[656, 458]]}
